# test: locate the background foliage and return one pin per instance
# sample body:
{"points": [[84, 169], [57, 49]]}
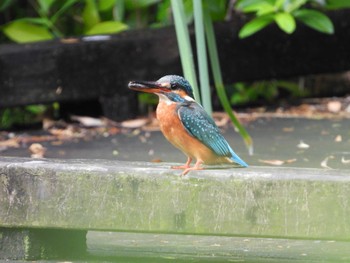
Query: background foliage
{"points": [[38, 20]]}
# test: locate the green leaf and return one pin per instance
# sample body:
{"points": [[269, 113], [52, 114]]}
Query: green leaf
{"points": [[35, 20], [202, 56], [279, 4], [338, 4], [315, 20], [105, 5], [90, 15], [107, 27], [261, 8], [45, 5], [219, 84], [36, 108], [255, 25], [184, 43], [245, 3], [163, 14], [22, 32], [285, 22]]}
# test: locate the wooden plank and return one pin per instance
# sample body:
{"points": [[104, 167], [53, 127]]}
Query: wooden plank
{"points": [[100, 67], [146, 197], [273, 54], [84, 68]]}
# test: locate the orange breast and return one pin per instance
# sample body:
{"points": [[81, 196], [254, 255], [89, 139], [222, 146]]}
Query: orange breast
{"points": [[176, 133]]}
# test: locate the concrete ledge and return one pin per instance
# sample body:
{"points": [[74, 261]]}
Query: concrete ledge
{"points": [[140, 247], [148, 197], [32, 244]]}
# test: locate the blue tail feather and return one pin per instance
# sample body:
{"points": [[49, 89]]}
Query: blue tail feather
{"points": [[237, 159]]}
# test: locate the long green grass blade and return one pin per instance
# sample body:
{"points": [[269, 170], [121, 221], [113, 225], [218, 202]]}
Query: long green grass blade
{"points": [[202, 56], [183, 40], [215, 65]]}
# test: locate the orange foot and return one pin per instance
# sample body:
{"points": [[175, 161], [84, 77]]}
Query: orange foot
{"points": [[197, 166], [185, 166]]}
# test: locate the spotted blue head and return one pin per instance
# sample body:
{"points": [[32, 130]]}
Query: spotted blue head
{"points": [[175, 88]]}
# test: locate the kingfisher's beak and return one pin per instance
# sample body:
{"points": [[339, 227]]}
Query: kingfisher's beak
{"points": [[149, 86]]}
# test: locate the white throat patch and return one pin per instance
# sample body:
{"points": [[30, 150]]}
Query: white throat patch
{"points": [[188, 98], [165, 99]]}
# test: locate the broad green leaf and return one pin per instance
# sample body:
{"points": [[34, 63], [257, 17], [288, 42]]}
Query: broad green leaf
{"points": [[245, 3], [22, 32], [42, 21], [265, 10], [90, 15], [286, 22], [35, 20], [338, 4], [315, 20], [108, 27], [104, 5], [255, 25], [261, 8], [45, 5], [279, 4]]}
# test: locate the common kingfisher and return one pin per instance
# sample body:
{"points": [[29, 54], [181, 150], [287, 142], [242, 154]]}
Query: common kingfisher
{"points": [[186, 125]]}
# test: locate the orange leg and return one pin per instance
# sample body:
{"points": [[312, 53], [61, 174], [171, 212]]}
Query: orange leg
{"points": [[185, 166], [197, 166]]}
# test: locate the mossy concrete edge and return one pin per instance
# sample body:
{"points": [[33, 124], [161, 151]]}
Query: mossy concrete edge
{"points": [[147, 197]]}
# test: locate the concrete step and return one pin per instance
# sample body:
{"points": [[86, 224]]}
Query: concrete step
{"points": [[150, 197]]}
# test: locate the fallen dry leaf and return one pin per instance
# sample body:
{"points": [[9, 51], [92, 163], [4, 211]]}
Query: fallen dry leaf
{"points": [[221, 119], [70, 132], [288, 129], [37, 150], [88, 121], [344, 161], [33, 139], [324, 163], [133, 124], [12, 143], [303, 145], [113, 130], [277, 162], [338, 138], [69, 40], [334, 106]]}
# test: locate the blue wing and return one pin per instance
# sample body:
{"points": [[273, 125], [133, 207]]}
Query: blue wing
{"points": [[201, 126]]}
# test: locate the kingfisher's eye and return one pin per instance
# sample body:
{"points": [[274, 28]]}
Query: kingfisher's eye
{"points": [[173, 86]]}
